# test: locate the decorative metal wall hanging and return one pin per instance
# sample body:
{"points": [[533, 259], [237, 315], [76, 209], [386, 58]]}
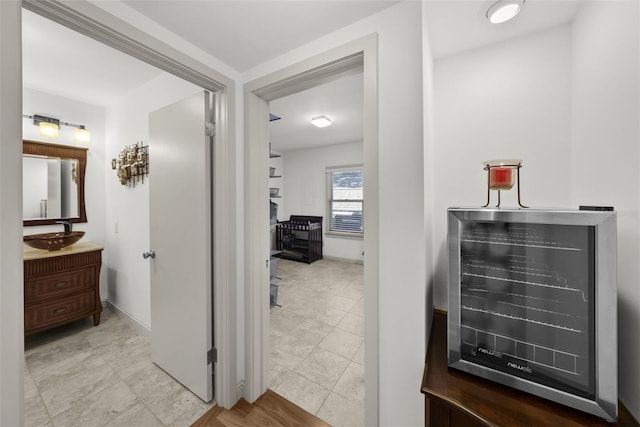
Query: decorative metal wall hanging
{"points": [[132, 164]]}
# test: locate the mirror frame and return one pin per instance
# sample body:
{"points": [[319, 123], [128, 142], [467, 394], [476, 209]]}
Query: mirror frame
{"points": [[64, 152]]}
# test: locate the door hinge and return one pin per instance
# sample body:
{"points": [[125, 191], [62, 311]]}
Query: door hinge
{"points": [[210, 128], [212, 356]]}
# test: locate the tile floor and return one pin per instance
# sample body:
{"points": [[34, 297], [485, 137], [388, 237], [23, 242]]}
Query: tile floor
{"points": [[317, 339], [81, 375]]}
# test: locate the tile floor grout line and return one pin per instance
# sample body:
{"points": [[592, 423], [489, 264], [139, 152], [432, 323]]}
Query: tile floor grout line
{"points": [[138, 399], [290, 284], [96, 351]]}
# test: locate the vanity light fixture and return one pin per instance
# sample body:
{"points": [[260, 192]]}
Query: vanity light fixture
{"points": [[321, 121], [81, 134], [504, 10], [50, 127]]}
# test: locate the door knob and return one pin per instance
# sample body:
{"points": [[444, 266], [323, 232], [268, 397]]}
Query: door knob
{"points": [[151, 254]]}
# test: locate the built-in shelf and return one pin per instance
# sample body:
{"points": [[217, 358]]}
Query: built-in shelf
{"points": [[275, 176], [273, 156]]}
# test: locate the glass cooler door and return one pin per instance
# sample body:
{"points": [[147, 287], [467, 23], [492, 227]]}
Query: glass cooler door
{"points": [[527, 301]]}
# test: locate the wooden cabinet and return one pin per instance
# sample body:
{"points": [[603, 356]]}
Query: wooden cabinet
{"points": [[459, 399], [61, 286]]}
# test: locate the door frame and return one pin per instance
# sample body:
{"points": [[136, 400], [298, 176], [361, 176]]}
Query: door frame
{"points": [[357, 56], [11, 272], [96, 23]]}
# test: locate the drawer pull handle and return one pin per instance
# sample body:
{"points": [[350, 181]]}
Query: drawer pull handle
{"points": [[60, 310], [61, 285]]}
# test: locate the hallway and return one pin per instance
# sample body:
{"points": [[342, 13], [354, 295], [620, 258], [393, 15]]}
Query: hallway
{"points": [[317, 339]]}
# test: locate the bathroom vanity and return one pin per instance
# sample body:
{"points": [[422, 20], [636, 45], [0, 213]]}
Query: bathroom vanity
{"points": [[61, 286]]}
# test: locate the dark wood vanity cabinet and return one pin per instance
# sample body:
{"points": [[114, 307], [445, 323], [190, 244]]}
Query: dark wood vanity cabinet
{"points": [[61, 286]]}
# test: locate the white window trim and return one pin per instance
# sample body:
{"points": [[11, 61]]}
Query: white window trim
{"points": [[329, 192], [345, 234]]}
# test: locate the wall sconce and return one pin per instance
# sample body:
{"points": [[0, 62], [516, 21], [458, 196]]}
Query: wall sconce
{"points": [[50, 128], [132, 164], [81, 134]]}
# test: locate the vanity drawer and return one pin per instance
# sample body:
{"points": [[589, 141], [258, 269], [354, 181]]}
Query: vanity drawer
{"points": [[60, 311], [57, 285], [61, 286]]}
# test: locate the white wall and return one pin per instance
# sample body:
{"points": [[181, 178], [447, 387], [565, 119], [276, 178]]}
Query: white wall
{"points": [[127, 208], [401, 260], [93, 117], [305, 186], [507, 100], [606, 156], [428, 135]]}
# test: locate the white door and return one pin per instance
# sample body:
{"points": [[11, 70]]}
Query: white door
{"points": [[181, 239]]}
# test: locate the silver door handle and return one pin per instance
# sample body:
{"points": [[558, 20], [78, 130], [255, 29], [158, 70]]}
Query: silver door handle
{"points": [[151, 254]]}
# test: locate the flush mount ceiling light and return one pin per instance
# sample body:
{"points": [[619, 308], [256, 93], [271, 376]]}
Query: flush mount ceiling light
{"points": [[504, 10], [50, 127], [321, 121]]}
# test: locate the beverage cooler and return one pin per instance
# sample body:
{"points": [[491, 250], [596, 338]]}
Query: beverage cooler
{"points": [[532, 302]]}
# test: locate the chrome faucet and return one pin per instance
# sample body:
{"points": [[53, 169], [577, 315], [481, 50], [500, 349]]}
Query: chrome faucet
{"points": [[68, 225]]}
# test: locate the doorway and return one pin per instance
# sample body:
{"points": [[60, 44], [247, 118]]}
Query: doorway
{"points": [[358, 56], [84, 20], [317, 322]]}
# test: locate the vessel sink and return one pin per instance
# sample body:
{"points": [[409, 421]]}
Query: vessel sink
{"points": [[52, 241]]}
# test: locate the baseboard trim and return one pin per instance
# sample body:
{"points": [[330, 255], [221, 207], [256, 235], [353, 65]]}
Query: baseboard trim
{"points": [[335, 258], [240, 390], [143, 329]]}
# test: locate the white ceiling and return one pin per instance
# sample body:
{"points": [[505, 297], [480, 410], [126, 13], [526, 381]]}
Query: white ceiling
{"points": [[458, 25], [244, 33], [62, 62], [341, 101]]}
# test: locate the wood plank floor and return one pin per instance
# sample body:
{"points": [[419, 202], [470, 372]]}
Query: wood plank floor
{"points": [[270, 410]]}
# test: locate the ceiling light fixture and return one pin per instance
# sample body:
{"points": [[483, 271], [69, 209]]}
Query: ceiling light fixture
{"points": [[321, 121], [504, 10], [50, 128], [81, 134]]}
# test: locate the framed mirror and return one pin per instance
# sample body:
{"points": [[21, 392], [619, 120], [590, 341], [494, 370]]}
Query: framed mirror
{"points": [[53, 183]]}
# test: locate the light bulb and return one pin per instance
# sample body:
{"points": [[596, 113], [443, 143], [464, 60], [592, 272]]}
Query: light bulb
{"points": [[81, 134], [321, 121], [49, 130]]}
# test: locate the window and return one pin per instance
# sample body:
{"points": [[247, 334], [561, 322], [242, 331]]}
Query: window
{"points": [[345, 190]]}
